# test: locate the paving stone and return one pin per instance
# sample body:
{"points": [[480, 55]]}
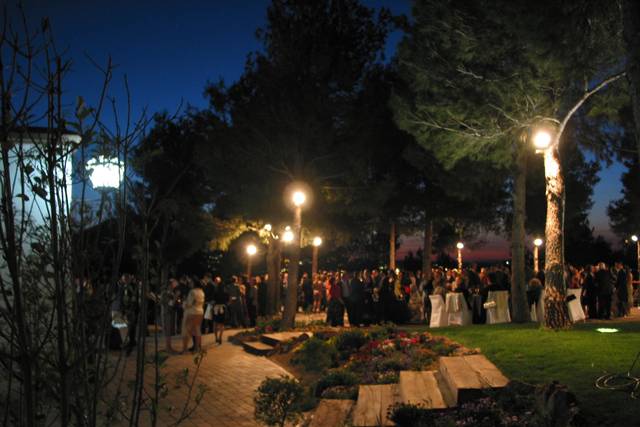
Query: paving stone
{"points": [[373, 403]]}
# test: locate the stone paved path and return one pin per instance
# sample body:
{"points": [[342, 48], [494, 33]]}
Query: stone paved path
{"points": [[232, 376]]}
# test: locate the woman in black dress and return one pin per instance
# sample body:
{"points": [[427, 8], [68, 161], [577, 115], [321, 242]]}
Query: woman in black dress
{"points": [[220, 299]]}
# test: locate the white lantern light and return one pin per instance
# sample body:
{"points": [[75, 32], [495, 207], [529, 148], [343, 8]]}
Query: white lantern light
{"points": [[105, 172]]}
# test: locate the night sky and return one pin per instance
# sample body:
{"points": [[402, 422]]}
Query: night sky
{"points": [[170, 49]]}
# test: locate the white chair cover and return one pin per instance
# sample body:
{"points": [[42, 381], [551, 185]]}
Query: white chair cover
{"points": [[499, 313], [438, 312], [537, 310], [533, 312], [576, 313], [457, 309]]}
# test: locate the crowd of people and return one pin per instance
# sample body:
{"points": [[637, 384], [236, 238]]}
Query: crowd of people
{"points": [[192, 306]]}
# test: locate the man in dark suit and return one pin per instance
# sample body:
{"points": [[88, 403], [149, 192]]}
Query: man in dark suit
{"points": [[605, 290], [621, 290]]}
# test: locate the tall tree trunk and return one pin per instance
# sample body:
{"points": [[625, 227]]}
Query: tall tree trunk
{"points": [[392, 246], [427, 249], [631, 32], [556, 315], [518, 286], [291, 303]]}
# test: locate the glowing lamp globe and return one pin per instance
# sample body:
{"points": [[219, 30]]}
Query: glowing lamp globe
{"points": [[634, 238], [267, 227], [460, 245], [251, 250], [537, 242], [105, 172], [298, 198], [542, 140], [287, 236], [317, 241]]}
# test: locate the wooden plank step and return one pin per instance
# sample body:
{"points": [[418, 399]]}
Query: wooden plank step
{"points": [[373, 403], [447, 395], [489, 373], [256, 347], [277, 337], [467, 378], [331, 413], [421, 388]]}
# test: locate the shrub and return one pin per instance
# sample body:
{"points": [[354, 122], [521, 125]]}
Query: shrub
{"points": [[410, 415], [338, 377], [268, 326], [388, 378], [383, 331], [393, 362], [278, 400], [349, 342], [341, 392], [421, 358], [315, 355]]}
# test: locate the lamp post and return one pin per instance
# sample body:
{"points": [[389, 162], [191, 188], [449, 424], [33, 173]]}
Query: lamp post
{"points": [[536, 246], [298, 199], [317, 241], [460, 246], [635, 239], [251, 251]]}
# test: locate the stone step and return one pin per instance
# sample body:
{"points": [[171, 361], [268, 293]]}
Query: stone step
{"points": [[425, 388], [331, 413], [468, 376], [278, 337], [258, 348], [373, 403]]}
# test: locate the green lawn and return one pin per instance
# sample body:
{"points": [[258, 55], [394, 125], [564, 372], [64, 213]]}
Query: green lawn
{"points": [[575, 357]]}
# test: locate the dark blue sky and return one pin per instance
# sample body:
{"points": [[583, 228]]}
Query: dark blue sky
{"points": [[170, 49]]}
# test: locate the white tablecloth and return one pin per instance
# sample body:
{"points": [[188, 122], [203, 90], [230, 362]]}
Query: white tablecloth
{"points": [[499, 313], [457, 309], [438, 313], [576, 313]]}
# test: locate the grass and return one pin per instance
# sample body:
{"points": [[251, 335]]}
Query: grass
{"points": [[574, 357]]}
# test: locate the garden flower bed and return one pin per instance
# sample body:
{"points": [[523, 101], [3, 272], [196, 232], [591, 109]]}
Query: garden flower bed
{"points": [[340, 361]]}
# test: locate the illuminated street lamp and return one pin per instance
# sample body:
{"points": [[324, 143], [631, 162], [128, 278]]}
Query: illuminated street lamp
{"points": [[460, 246], [317, 241], [536, 246], [296, 196], [287, 236], [251, 251]]}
